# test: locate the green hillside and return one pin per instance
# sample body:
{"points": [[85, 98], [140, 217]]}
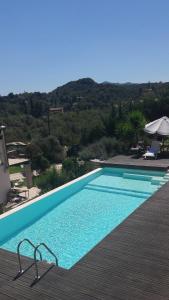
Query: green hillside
{"points": [[92, 111]]}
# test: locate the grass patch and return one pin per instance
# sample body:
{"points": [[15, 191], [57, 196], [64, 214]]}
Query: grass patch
{"points": [[15, 169]]}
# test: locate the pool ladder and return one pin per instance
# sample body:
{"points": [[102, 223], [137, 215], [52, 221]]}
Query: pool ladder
{"points": [[36, 250]]}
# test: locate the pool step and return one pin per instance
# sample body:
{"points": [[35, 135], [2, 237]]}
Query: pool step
{"points": [[162, 182], [118, 191], [164, 179], [117, 188], [156, 180], [137, 176]]}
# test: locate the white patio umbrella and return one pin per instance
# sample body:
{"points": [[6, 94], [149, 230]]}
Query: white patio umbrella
{"points": [[159, 126]]}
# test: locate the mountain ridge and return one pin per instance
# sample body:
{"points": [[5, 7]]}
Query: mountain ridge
{"points": [[89, 82], [85, 93]]}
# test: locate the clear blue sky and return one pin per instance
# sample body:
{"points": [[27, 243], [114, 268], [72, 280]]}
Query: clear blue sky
{"points": [[46, 43]]}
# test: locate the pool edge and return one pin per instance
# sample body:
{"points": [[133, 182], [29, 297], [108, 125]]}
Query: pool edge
{"points": [[5, 214]]}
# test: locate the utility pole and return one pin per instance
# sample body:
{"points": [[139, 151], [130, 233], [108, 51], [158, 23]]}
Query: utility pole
{"points": [[48, 120], [53, 110]]}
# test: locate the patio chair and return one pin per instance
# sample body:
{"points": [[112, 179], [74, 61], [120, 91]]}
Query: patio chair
{"points": [[13, 196], [153, 151], [137, 150]]}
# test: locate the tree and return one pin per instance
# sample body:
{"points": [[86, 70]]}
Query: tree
{"points": [[110, 121], [131, 129], [49, 180], [71, 168], [137, 121], [51, 149], [38, 161]]}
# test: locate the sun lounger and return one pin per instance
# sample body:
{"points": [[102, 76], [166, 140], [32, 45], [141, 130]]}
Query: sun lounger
{"points": [[153, 151]]}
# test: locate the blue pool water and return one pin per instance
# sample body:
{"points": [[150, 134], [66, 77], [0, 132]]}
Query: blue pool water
{"points": [[75, 225]]}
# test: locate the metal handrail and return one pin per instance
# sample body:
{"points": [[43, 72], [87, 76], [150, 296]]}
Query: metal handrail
{"points": [[37, 277], [19, 256]]}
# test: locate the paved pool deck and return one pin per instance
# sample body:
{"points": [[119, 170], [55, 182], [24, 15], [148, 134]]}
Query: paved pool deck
{"points": [[129, 161], [131, 263]]}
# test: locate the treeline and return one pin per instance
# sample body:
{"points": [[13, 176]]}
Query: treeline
{"points": [[98, 120], [82, 94]]}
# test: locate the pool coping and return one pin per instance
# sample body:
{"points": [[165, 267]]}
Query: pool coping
{"points": [[5, 214], [133, 166], [127, 161]]}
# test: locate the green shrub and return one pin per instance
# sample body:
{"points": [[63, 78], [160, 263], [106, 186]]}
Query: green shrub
{"points": [[49, 180], [102, 149], [43, 152], [74, 168]]}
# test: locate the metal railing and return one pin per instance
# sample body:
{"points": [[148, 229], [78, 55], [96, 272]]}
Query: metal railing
{"points": [[36, 250], [37, 276], [21, 270]]}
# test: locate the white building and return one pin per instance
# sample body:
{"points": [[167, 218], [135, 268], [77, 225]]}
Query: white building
{"points": [[4, 174]]}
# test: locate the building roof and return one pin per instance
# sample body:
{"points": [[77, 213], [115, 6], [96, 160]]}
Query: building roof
{"points": [[16, 144], [56, 109], [17, 161]]}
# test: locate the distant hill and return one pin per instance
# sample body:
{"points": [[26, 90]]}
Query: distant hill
{"points": [[25, 114], [82, 94], [86, 93]]}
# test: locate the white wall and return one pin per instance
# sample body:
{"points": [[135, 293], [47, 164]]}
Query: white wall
{"points": [[4, 175], [4, 183]]}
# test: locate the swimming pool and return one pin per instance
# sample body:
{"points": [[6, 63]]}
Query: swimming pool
{"points": [[72, 219]]}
